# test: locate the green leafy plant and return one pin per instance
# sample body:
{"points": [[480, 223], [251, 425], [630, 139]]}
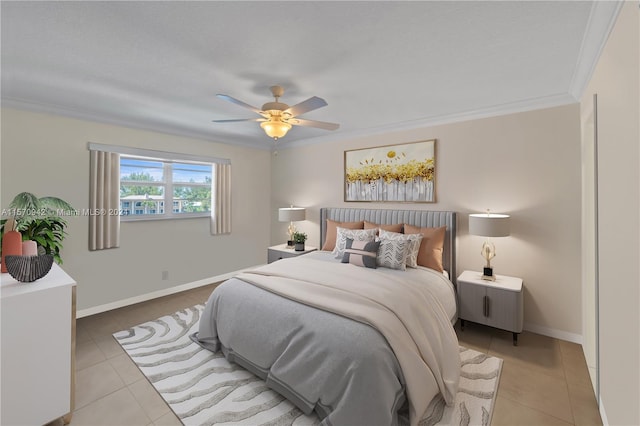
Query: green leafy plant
{"points": [[40, 220], [299, 237]]}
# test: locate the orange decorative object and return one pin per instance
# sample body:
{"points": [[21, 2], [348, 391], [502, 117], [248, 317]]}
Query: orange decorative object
{"points": [[11, 245]]}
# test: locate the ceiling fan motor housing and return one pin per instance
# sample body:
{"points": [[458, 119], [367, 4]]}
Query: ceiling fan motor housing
{"points": [[274, 106]]}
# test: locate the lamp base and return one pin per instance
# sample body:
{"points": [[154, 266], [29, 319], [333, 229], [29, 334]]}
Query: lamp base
{"points": [[487, 274]]}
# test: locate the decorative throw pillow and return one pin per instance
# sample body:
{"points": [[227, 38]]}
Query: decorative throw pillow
{"points": [[393, 254], [361, 253], [397, 227], [430, 253], [355, 234], [330, 237], [414, 244]]}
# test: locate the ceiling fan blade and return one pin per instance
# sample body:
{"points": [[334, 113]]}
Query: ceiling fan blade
{"points": [[306, 106], [314, 123], [233, 120], [240, 103]]}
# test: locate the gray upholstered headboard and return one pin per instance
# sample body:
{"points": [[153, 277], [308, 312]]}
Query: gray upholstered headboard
{"points": [[422, 218]]}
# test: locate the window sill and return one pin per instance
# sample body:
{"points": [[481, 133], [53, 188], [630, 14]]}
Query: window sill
{"points": [[149, 218]]}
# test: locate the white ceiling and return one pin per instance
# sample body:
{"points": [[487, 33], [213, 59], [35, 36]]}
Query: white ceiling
{"points": [[380, 65]]}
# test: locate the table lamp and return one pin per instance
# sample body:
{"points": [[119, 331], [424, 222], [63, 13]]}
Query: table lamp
{"points": [[291, 214], [489, 225]]}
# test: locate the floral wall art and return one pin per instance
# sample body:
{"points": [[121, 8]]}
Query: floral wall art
{"points": [[397, 173]]}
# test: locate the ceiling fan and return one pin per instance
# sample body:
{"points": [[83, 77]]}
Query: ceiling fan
{"points": [[277, 118]]}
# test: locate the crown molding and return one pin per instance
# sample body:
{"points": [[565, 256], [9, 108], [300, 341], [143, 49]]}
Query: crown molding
{"points": [[137, 125], [491, 111], [602, 18]]}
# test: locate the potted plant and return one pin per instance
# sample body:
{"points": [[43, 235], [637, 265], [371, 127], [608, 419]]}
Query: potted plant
{"points": [[299, 238], [40, 220]]}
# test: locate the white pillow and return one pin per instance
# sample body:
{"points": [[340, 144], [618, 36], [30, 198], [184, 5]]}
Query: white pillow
{"points": [[393, 254], [355, 234], [414, 244]]}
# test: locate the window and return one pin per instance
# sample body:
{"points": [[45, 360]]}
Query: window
{"points": [[129, 184], [149, 184]]}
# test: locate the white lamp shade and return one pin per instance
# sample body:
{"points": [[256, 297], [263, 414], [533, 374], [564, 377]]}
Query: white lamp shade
{"points": [[489, 225], [291, 214]]}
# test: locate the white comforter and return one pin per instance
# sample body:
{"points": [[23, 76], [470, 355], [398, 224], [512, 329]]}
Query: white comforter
{"points": [[404, 306]]}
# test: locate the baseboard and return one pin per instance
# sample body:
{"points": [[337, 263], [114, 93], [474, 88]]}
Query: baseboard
{"points": [[534, 328], [154, 295], [552, 332]]}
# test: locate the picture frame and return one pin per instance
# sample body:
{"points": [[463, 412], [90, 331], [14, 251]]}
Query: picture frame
{"points": [[391, 173]]}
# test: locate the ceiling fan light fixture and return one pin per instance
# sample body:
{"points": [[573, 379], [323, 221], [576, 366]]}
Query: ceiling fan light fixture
{"points": [[277, 118], [275, 128]]}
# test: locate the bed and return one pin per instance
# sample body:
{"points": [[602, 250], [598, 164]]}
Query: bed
{"points": [[354, 344]]}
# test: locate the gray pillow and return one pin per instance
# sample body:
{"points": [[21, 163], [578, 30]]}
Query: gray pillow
{"points": [[361, 253]]}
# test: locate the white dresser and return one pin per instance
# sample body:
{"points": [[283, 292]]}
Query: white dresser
{"points": [[37, 348]]}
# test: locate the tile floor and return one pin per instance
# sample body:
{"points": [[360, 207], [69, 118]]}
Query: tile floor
{"points": [[544, 380]]}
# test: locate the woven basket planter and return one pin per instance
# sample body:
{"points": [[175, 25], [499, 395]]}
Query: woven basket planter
{"points": [[29, 268]]}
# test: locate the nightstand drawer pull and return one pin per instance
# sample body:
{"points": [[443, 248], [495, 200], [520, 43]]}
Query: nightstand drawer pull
{"points": [[485, 307]]}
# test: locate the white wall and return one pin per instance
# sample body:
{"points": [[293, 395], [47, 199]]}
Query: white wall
{"points": [[617, 83], [47, 155], [525, 164]]}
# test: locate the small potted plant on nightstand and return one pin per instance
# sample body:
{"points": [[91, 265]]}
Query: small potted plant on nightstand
{"points": [[299, 238]]}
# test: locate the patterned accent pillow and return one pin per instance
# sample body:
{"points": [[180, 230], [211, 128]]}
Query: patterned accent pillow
{"points": [[393, 254], [414, 244], [361, 253], [355, 234]]}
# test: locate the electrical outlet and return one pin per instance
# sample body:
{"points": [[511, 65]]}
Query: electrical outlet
{"points": [[165, 275]]}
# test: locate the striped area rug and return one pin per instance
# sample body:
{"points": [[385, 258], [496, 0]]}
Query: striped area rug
{"points": [[203, 388]]}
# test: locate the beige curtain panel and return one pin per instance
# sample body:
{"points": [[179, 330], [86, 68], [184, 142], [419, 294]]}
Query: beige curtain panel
{"points": [[221, 199], [104, 198]]}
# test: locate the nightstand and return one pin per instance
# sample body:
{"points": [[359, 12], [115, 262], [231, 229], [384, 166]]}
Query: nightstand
{"points": [[281, 252], [496, 303]]}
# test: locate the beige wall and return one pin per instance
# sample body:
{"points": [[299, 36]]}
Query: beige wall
{"points": [[525, 164], [48, 155], [616, 81], [589, 270]]}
